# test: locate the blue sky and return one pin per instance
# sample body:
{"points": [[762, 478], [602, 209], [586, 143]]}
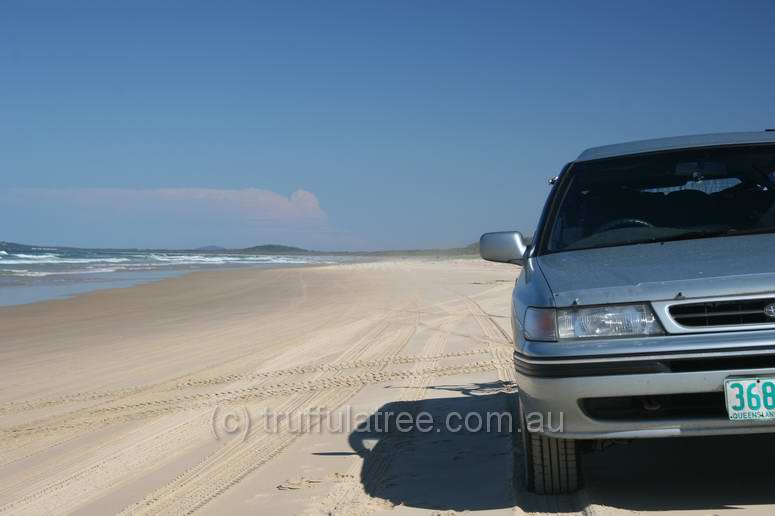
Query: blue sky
{"points": [[337, 125]]}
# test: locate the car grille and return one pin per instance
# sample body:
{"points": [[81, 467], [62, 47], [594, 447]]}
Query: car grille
{"points": [[723, 313]]}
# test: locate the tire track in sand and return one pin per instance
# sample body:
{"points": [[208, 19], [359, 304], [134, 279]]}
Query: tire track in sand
{"points": [[19, 407], [16, 449], [499, 342], [21, 445], [126, 413], [253, 357], [217, 473], [349, 496], [90, 477]]}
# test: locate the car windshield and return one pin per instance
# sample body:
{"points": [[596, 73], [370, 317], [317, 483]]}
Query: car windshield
{"points": [[666, 196]]}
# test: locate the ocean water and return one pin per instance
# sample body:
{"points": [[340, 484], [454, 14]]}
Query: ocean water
{"points": [[39, 274]]}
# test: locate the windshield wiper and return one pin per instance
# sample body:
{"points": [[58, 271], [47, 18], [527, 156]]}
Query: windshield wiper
{"points": [[750, 231], [705, 233], [686, 235], [689, 235]]}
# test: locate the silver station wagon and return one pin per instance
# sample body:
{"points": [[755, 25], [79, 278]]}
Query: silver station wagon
{"points": [[646, 304]]}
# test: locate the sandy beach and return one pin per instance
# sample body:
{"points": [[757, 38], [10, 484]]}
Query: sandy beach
{"points": [[154, 399], [107, 399]]}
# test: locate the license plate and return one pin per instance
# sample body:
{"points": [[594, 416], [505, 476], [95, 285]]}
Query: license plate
{"points": [[750, 399]]}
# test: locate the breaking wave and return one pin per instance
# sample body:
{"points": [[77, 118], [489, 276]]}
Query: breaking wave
{"points": [[74, 262]]}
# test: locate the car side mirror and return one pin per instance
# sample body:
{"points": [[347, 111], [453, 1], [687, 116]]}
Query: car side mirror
{"points": [[503, 246]]}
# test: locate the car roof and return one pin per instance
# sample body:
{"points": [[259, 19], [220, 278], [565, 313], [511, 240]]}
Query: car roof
{"points": [[676, 142]]}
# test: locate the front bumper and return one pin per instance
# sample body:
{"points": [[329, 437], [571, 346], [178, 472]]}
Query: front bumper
{"points": [[555, 402]]}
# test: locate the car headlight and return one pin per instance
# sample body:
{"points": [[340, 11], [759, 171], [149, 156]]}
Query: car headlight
{"points": [[607, 321], [548, 324]]}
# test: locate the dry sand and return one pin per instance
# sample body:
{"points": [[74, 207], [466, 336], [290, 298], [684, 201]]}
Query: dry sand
{"points": [[147, 400]]}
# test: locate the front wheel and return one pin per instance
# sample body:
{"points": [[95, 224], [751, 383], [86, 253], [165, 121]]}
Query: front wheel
{"points": [[550, 465]]}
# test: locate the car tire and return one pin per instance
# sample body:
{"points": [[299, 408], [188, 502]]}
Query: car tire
{"points": [[549, 466]]}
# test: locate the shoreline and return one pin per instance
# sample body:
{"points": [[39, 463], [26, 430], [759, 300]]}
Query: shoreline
{"points": [[31, 274], [16, 294], [59, 288]]}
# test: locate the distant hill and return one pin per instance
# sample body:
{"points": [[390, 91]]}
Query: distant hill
{"points": [[273, 249], [10, 247], [472, 249]]}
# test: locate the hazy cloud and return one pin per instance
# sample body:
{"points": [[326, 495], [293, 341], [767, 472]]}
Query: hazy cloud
{"points": [[252, 203], [162, 217]]}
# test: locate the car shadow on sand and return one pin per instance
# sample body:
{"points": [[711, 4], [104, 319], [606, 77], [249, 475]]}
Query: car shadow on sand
{"points": [[439, 466], [454, 466]]}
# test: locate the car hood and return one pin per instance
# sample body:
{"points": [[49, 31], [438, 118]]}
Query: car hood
{"points": [[705, 267]]}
